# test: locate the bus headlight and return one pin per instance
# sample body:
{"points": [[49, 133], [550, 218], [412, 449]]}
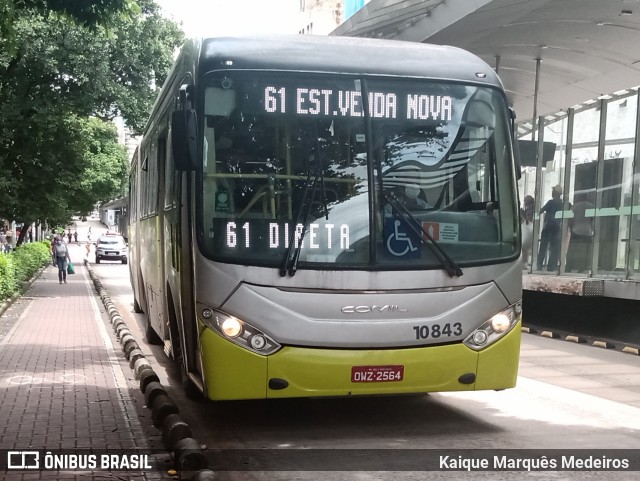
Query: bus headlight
{"points": [[258, 342], [231, 327], [237, 331], [496, 327], [500, 322]]}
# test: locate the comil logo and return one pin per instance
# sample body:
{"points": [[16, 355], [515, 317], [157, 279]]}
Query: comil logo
{"points": [[370, 309], [23, 460]]}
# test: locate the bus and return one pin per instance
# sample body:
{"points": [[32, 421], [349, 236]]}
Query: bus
{"points": [[324, 216]]}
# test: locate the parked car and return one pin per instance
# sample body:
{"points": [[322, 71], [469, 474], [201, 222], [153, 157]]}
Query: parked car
{"points": [[111, 247]]}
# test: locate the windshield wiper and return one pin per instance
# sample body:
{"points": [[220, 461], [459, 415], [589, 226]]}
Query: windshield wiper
{"points": [[415, 225], [290, 261]]}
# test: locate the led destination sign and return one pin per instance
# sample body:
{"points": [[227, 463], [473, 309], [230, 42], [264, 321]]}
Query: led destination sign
{"points": [[325, 238], [349, 103], [273, 235]]}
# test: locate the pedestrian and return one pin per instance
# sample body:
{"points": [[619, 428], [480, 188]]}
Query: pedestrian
{"points": [[53, 244], [75, 236], [551, 237], [10, 239], [61, 257], [526, 226], [3, 241], [69, 236]]}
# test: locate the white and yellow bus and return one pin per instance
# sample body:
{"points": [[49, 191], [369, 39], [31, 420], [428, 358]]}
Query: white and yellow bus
{"points": [[323, 216]]}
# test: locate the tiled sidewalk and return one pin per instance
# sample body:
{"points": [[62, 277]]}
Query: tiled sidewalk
{"points": [[64, 383]]}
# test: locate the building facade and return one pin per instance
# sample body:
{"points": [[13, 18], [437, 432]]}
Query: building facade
{"points": [[589, 152], [321, 17]]}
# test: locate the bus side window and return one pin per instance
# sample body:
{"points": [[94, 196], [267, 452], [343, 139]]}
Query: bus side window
{"points": [[218, 187]]}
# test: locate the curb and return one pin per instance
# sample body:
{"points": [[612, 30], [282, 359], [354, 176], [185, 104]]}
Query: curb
{"points": [[187, 453], [579, 339]]}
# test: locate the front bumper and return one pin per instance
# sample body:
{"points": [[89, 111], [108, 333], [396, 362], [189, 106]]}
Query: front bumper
{"points": [[231, 372]]}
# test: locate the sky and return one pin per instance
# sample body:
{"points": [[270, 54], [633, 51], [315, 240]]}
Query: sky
{"points": [[232, 17]]}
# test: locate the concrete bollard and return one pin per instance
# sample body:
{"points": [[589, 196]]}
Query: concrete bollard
{"points": [[129, 345], [123, 332], [161, 407], [147, 376], [204, 475], [189, 455], [139, 365], [154, 389], [173, 430], [134, 356]]}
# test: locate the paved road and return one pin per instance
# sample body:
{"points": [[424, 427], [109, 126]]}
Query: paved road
{"points": [[569, 396]]}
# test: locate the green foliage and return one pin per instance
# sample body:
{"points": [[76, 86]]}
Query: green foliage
{"points": [[105, 173], [7, 277], [21, 265], [7, 34], [89, 13], [56, 77], [135, 58]]}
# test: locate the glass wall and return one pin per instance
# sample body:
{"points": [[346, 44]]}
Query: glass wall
{"points": [[550, 225], [586, 219], [581, 194]]}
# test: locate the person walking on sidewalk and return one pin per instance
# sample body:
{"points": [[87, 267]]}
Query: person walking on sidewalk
{"points": [[60, 258]]}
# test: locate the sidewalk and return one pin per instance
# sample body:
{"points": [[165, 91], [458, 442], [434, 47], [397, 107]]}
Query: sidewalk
{"points": [[64, 382]]}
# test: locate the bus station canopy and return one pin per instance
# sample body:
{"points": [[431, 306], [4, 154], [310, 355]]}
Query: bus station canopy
{"points": [[587, 49]]}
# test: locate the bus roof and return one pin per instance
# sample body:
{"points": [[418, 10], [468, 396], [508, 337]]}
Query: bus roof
{"points": [[345, 55]]}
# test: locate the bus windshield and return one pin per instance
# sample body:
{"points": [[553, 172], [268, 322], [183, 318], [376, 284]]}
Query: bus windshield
{"points": [[331, 172]]}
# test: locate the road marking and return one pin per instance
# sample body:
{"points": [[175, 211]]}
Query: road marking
{"points": [[25, 379]]}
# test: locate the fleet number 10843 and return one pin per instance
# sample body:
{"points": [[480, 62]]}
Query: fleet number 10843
{"points": [[435, 331]]}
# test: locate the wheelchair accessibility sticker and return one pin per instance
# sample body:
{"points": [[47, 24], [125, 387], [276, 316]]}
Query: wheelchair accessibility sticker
{"points": [[402, 241]]}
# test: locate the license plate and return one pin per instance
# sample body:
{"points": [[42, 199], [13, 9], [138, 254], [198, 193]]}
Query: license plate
{"points": [[377, 373], [109, 253]]}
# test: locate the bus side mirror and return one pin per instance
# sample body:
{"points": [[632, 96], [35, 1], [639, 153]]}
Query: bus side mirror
{"points": [[184, 134], [516, 143]]}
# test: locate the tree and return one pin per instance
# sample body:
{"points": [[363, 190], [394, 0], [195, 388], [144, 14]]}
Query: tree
{"points": [[106, 169], [53, 161], [67, 167], [135, 64], [89, 13]]}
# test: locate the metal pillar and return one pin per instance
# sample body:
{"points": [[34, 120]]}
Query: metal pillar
{"points": [[566, 184], [539, 193], [634, 214], [535, 99], [599, 180]]}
